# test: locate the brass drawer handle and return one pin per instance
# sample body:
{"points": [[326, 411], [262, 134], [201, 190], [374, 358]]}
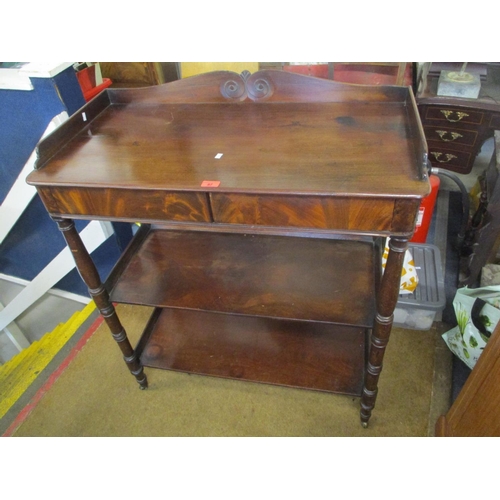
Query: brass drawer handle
{"points": [[437, 155], [442, 134], [447, 114]]}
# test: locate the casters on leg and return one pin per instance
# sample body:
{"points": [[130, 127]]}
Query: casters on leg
{"points": [[141, 378]]}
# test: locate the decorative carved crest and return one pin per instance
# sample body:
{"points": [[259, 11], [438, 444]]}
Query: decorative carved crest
{"points": [[255, 87]]}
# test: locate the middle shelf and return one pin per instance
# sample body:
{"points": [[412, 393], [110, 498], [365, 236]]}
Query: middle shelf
{"points": [[254, 274]]}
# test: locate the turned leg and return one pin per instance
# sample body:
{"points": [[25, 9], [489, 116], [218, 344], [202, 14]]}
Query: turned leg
{"points": [[90, 276], [386, 303]]}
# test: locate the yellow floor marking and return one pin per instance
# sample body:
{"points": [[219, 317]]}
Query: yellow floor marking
{"points": [[18, 373]]}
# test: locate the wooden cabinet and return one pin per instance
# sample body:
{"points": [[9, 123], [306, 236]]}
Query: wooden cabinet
{"points": [[456, 128], [475, 411], [452, 136], [264, 201]]}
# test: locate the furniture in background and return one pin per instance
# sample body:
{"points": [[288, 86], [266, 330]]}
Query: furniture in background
{"points": [[456, 127], [372, 73], [474, 413], [484, 231], [139, 74], [265, 203]]}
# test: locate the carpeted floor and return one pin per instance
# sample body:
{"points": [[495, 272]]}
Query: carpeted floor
{"points": [[96, 396], [88, 391]]}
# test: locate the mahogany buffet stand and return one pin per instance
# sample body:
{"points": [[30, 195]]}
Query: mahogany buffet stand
{"points": [[264, 201]]}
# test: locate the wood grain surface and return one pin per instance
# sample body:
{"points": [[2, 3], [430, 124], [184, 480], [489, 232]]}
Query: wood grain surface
{"points": [[291, 353], [273, 276]]}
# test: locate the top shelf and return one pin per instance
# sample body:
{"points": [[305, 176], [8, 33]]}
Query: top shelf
{"points": [[346, 140]]}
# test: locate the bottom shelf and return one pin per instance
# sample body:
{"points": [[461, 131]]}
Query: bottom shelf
{"points": [[318, 356]]}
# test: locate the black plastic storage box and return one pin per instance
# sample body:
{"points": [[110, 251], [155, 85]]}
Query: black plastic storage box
{"points": [[418, 310]]}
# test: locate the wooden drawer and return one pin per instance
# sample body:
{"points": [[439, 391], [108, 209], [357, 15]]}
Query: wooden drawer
{"points": [[450, 159], [134, 205], [453, 115], [304, 211], [449, 135]]}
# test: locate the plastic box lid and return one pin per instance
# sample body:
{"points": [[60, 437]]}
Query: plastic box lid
{"points": [[429, 293]]}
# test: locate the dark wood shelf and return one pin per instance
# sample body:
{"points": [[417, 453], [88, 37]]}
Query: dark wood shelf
{"points": [[297, 354], [300, 278]]}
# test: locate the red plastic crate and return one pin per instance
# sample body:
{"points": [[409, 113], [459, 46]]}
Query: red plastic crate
{"points": [[87, 81]]}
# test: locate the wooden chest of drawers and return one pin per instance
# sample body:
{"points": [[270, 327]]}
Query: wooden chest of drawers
{"points": [[452, 136], [456, 128]]}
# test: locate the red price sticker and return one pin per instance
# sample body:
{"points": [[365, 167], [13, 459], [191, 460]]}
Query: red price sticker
{"points": [[210, 184]]}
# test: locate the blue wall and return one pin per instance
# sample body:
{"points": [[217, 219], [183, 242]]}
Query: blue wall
{"points": [[35, 240]]}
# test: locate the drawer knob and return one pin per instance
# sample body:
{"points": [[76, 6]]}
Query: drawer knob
{"points": [[448, 114], [443, 137], [437, 156]]}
